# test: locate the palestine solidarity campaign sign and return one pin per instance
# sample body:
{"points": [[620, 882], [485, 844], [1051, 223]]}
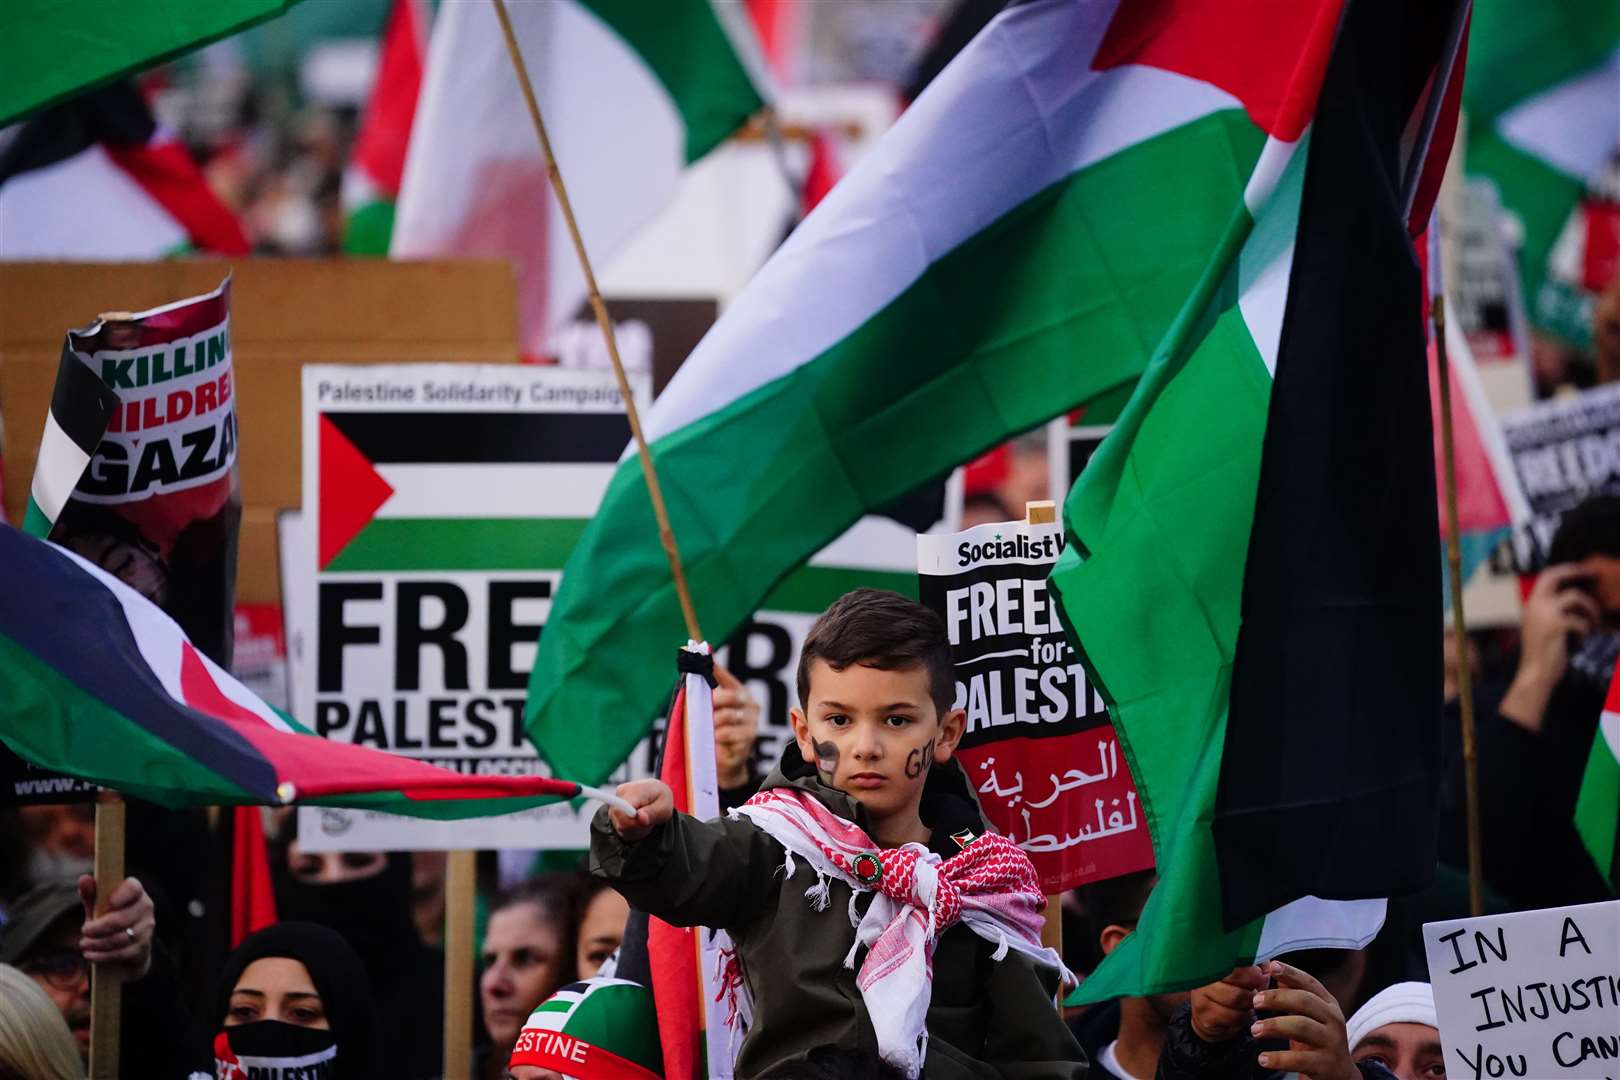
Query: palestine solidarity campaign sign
{"points": [[1038, 745]]}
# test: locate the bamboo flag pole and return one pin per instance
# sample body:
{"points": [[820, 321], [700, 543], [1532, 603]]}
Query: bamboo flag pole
{"points": [[665, 534], [106, 991], [459, 914], [1044, 512], [1459, 628]]}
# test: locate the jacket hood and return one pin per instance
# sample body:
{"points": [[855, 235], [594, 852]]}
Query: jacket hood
{"points": [[949, 804]]}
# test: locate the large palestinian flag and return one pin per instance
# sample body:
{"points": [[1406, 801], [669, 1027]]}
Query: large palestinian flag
{"points": [[97, 178], [462, 490], [1543, 104], [53, 49], [100, 684], [1597, 807], [1014, 247], [1251, 575], [632, 94]]}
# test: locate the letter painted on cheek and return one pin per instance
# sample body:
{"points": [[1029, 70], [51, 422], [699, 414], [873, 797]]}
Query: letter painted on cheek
{"points": [[920, 760], [826, 759]]}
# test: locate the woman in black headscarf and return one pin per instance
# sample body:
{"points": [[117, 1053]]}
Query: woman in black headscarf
{"points": [[292, 995]]}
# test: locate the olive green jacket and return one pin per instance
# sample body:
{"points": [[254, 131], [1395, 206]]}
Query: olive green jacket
{"points": [[987, 1019]]}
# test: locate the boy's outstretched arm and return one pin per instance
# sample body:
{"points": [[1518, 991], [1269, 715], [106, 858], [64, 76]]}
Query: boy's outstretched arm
{"points": [[685, 871]]}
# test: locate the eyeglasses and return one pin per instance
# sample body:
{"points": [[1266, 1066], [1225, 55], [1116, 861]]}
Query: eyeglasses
{"points": [[62, 968]]}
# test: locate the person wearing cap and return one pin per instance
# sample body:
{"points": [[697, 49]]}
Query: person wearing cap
{"points": [[599, 1029], [1397, 1028], [51, 934]]}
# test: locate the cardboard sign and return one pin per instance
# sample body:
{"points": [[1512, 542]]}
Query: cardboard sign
{"points": [[1530, 994], [1564, 451], [441, 502], [1038, 744]]}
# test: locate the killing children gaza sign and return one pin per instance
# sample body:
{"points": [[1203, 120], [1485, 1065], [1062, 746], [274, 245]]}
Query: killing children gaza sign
{"points": [[1531, 994], [1038, 745]]}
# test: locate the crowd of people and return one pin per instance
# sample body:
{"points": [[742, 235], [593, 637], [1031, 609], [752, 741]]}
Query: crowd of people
{"points": [[352, 971]]}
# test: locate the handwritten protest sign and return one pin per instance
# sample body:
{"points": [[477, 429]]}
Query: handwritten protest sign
{"points": [[1038, 745], [1530, 993]]}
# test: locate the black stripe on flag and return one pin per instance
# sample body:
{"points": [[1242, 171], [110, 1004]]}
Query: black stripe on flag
{"points": [[1331, 767], [114, 114], [484, 438], [82, 404]]}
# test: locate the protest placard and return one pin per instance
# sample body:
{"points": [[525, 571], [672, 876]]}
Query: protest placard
{"points": [[1038, 745], [441, 502], [1564, 451], [1529, 993]]}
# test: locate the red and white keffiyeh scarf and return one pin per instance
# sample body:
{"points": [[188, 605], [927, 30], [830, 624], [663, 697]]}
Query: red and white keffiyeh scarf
{"points": [[990, 886]]}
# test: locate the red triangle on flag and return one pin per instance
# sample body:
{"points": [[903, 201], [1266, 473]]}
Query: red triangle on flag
{"points": [[351, 492]]}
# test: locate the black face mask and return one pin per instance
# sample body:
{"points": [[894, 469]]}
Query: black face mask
{"points": [[272, 1050]]}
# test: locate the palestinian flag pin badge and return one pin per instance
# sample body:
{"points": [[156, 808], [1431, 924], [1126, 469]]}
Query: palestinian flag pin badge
{"points": [[867, 868]]}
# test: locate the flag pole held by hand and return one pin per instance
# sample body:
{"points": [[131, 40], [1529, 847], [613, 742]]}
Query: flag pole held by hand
{"points": [[660, 512], [106, 991]]}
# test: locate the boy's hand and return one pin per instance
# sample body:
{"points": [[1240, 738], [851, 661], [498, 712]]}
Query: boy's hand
{"points": [[654, 804], [1224, 1010], [1318, 1048]]}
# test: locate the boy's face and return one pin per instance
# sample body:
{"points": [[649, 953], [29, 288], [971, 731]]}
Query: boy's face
{"points": [[874, 734]]}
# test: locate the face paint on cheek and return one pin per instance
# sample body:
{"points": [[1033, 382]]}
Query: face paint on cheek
{"points": [[826, 759], [920, 761]]}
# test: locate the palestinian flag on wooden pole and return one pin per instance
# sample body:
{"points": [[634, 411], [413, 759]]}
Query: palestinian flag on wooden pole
{"points": [[1597, 808], [1543, 103], [1014, 247], [1251, 576], [53, 49], [371, 180], [102, 685], [674, 78]]}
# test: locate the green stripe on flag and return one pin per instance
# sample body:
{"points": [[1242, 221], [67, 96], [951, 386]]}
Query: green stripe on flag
{"points": [[368, 228], [405, 544], [812, 589], [692, 57], [1051, 305], [1597, 808], [559, 1005], [35, 522], [1515, 51], [54, 49], [55, 724]]}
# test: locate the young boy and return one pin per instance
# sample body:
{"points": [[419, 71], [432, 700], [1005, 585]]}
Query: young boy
{"points": [[869, 802]]}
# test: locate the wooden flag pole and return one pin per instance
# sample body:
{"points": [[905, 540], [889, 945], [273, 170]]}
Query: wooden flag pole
{"points": [[1459, 628], [459, 914], [1044, 512], [106, 991], [660, 512]]}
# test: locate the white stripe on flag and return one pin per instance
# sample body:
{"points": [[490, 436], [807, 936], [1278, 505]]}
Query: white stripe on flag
{"points": [[494, 491], [85, 207], [1312, 923], [979, 142], [57, 470], [1609, 725]]}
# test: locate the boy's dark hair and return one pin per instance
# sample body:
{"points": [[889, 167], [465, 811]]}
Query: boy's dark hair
{"points": [[880, 629]]}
